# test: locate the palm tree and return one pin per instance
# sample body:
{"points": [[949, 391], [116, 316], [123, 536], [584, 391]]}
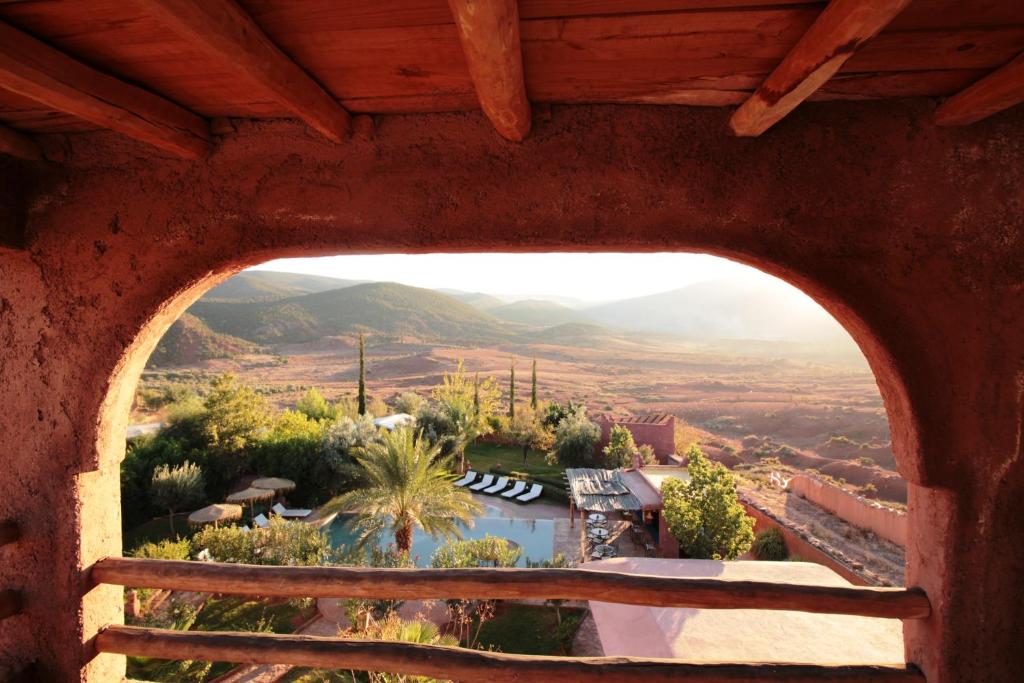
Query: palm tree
{"points": [[406, 486]]}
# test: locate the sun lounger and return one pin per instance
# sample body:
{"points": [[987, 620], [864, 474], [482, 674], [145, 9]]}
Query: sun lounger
{"points": [[261, 521], [499, 485], [469, 478], [517, 489], [245, 527], [532, 494], [290, 512], [484, 483]]}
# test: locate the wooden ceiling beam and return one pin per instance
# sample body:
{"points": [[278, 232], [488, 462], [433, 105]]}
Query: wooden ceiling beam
{"points": [[35, 70], [839, 31], [223, 29], [489, 32], [15, 144], [1001, 89]]}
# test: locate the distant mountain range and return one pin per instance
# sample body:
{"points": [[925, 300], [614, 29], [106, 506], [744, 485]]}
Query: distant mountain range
{"points": [[267, 308]]}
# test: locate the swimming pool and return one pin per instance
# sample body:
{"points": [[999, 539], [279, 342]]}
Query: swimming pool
{"points": [[535, 536]]}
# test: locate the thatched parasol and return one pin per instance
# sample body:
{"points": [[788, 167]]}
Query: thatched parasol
{"points": [[215, 514], [275, 484], [250, 496]]}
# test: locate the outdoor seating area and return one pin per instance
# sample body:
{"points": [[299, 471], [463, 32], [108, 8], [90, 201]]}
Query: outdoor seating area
{"points": [[517, 490], [260, 490]]}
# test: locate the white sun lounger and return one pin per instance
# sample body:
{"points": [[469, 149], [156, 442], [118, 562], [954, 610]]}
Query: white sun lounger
{"points": [[290, 512], [516, 489], [499, 485], [534, 492], [261, 521], [245, 527], [469, 478], [484, 483]]}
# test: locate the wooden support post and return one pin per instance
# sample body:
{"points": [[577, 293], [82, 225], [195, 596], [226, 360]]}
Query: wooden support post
{"points": [[10, 603], [463, 664], [511, 584], [9, 531], [489, 31], [841, 29], [18, 145], [1000, 90], [224, 30], [35, 70]]}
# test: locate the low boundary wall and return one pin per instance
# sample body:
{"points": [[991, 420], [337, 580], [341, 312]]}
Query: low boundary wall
{"points": [[859, 511]]}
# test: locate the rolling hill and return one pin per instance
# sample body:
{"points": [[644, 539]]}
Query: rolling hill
{"points": [[189, 340], [725, 309], [538, 313], [268, 285], [381, 307]]}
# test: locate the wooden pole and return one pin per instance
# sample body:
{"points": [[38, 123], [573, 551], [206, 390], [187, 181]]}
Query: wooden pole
{"points": [[463, 664], [501, 583]]}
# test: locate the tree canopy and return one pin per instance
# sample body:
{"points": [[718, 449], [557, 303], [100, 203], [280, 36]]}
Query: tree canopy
{"points": [[576, 439], [705, 514], [620, 449]]}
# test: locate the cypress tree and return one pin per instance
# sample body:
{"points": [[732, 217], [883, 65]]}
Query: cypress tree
{"points": [[476, 394], [533, 386], [362, 375], [512, 391]]}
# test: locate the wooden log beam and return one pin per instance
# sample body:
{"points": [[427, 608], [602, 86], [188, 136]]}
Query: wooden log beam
{"points": [[10, 603], [462, 664], [1000, 90], [841, 29], [35, 70], [223, 29], [489, 32], [9, 531], [542, 584], [16, 144]]}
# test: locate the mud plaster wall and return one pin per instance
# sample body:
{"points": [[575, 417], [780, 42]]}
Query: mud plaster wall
{"points": [[910, 235], [857, 510]]}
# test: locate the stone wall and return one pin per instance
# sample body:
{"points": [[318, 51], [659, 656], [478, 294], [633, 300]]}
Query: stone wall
{"points": [[857, 510], [661, 436]]}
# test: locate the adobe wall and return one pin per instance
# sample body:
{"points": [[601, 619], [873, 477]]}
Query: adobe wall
{"points": [[857, 510], [910, 235], [660, 437]]}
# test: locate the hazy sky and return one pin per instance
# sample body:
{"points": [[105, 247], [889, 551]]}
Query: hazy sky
{"points": [[592, 277]]}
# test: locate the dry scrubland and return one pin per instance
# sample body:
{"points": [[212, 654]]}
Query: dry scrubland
{"points": [[742, 408]]}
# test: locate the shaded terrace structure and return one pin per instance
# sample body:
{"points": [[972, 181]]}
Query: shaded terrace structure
{"points": [[152, 149]]}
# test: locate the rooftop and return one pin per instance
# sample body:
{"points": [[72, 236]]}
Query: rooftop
{"points": [[742, 635]]}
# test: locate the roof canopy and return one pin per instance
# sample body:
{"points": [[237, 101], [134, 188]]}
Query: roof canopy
{"points": [[600, 490]]}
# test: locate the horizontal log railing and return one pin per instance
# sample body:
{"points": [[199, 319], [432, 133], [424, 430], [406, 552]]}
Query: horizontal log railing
{"points": [[463, 664], [491, 583]]}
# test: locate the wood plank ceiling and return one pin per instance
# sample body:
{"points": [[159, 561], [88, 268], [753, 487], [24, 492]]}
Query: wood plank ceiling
{"points": [[319, 60]]}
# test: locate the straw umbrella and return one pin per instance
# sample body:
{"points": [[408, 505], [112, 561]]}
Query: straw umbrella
{"points": [[250, 496], [215, 514], [278, 485]]}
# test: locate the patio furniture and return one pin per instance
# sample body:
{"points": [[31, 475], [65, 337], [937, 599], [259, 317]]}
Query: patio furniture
{"points": [[596, 517], [517, 489], [467, 479], [598, 533], [261, 521], [532, 494], [282, 511], [484, 483], [499, 485], [649, 549]]}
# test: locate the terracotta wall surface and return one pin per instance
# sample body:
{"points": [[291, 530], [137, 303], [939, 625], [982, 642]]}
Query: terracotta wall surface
{"points": [[659, 436], [857, 510], [910, 235]]}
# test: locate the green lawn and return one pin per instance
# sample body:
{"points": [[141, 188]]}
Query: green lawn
{"points": [[486, 456], [530, 630], [224, 614]]}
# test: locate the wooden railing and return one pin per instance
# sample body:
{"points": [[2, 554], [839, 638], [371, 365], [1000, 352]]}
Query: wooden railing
{"points": [[471, 665]]}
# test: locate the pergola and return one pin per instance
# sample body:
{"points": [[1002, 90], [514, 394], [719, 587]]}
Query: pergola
{"points": [[150, 149]]}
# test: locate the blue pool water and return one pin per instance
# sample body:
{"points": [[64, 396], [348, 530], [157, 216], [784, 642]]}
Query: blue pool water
{"points": [[535, 536]]}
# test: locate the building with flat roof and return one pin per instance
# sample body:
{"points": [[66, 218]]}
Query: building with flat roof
{"points": [[657, 430]]}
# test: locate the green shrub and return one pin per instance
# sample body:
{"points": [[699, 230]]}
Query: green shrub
{"points": [[165, 550], [770, 546]]}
